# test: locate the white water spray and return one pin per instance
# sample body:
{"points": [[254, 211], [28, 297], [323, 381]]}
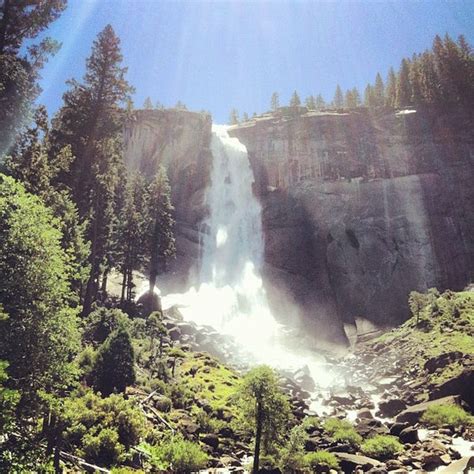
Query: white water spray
{"points": [[231, 297]]}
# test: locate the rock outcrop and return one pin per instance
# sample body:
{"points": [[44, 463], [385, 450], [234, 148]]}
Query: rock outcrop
{"points": [[180, 141], [359, 209]]}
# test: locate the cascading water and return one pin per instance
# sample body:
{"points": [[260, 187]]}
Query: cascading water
{"points": [[230, 296]]}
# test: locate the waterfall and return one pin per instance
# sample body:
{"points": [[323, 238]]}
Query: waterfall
{"points": [[230, 295]]}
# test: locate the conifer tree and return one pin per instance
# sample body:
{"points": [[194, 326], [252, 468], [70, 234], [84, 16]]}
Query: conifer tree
{"points": [[356, 97], [349, 99], [148, 104], [403, 97], [245, 117], [378, 91], [310, 103], [295, 100], [275, 101], [391, 89], [234, 117], [114, 369], [338, 101], [369, 96], [320, 102], [161, 242], [415, 80], [21, 22], [429, 84]]}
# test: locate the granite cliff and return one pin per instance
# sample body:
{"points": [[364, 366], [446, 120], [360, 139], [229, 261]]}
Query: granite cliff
{"points": [[359, 208]]}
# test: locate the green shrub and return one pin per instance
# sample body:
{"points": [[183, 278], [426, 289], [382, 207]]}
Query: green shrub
{"points": [[342, 431], [176, 454], [447, 415], [103, 448], [321, 461], [311, 422], [382, 447]]}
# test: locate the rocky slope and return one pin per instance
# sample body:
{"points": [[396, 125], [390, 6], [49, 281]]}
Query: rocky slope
{"points": [[360, 208]]}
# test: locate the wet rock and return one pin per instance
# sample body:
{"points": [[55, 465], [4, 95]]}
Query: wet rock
{"points": [[364, 413], [370, 427], [441, 361], [390, 408], [409, 435], [174, 334], [393, 465], [397, 428], [463, 465]]}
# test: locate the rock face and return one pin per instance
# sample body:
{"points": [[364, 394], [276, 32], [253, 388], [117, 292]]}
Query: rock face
{"points": [[360, 209], [180, 141]]}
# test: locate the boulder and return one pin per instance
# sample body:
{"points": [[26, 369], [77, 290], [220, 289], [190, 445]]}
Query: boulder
{"points": [[390, 408], [409, 435], [349, 462], [461, 466], [413, 413], [364, 413], [211, 440], [397, 428]]}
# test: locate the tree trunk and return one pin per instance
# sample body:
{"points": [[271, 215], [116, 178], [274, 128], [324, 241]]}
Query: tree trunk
{"points": [[124, 285], [103, 288], [258, 436], [154, 258]]}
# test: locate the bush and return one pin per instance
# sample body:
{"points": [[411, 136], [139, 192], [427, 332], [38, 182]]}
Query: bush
{"points": [[447, 415], [176, 454], [342, 431], [382, 447], [321, 461], [103, 448], [311, 422]]}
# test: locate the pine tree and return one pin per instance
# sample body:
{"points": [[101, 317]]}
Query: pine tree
{"points": [[295, 100], [275, 101], [91, 121], [379, 91], [356, 97], [180, 106], [349, 99], [310, 103], [320, 103], [429, 84], [403, 97], [114, 369], [161, 242], [245, 117], [234, 117], [391, 89], [369, 96], [415, 80], [21, 22], [338, 101], [148, 104]]}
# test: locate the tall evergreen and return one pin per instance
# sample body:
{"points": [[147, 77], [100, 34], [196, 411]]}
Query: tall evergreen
{"points": [[415, 77], [320, 102], [160, 232], [391, 89], [148, 104], [275, 101], [338, 101], [369, 96], [403, 97], [234, 117], [20, 22], [379, 91], [91, 122], [310, 103], [295, 100]]}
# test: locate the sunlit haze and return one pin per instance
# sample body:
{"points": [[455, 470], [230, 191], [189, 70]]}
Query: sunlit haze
{"points": [[224, 54]]}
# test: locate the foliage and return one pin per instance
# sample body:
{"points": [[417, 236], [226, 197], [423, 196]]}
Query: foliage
{"points": [[320, 461], [382, 447], [176, 454], [295, 100], [8, 400], [114, 367], [291, 456], [35, 293], [264, 409], [101, 429], [342, 431], [101, 322], [447, 415]]}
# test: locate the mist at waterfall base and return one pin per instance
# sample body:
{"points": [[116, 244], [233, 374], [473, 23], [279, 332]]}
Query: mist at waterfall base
{"points": [[230, 296]]}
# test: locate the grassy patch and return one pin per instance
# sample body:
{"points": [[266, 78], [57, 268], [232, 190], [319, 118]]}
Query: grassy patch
{"points": [[321, 459], [342, 431], [382, 447], [447, 415]]}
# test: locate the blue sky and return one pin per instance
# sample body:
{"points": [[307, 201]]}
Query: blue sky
{"points": [[215, 55]]}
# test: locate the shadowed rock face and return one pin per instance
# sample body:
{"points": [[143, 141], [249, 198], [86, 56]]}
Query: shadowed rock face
{"points": [[180, 141], [358, 209], [361, 209]]}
